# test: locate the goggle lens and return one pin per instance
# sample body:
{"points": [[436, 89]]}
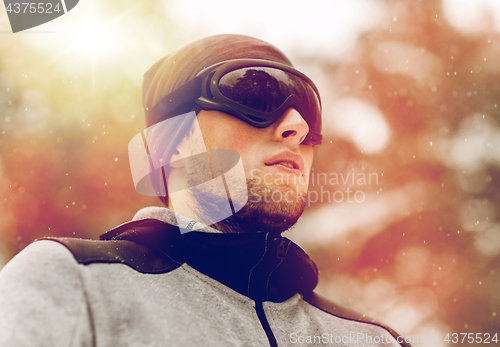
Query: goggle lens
{"points": [[265, 89]]}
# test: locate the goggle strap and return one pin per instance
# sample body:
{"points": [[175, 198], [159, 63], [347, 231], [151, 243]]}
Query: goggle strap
{"points": [[189, 91]]}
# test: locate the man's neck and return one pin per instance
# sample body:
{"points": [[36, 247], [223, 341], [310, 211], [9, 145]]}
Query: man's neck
{"points": [[168, 216]]}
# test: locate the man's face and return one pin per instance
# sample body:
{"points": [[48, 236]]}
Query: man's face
{"points": [[276, 164]]}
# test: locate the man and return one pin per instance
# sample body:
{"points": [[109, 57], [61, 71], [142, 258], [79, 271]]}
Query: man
{"points": [[228, 147]]}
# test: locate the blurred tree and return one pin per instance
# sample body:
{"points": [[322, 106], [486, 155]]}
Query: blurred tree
{"points": [[436, 263]]}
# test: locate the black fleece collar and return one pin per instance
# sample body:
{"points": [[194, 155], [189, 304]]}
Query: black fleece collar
{"points": [[262, 266]]}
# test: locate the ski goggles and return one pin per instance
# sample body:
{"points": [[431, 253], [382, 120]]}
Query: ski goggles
{"points": [[256, 91]]}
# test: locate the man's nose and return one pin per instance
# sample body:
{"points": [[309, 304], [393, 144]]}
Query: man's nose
{"points": [[290, 127]]}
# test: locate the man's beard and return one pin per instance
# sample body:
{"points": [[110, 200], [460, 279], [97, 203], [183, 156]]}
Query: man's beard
{"points": [[267, 210]]}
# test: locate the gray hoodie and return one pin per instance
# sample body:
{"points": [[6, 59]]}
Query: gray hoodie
{"points": [[149, 283]]}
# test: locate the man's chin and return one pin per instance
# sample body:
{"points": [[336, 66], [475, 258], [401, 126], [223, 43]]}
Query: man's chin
{"points": [[274, 209], [267, 210]]}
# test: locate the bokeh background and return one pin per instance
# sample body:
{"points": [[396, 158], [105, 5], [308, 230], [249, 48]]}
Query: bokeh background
{"points": [[402, 219]]}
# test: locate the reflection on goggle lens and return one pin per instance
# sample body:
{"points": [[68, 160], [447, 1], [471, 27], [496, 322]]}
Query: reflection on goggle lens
{"points": [[265, 89]]}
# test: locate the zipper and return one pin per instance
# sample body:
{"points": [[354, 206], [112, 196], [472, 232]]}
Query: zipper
{"points": [[281, 252], [265, 324]]}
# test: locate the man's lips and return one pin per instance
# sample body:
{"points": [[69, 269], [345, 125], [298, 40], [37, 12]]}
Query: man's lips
{"points": [[287, 159]]}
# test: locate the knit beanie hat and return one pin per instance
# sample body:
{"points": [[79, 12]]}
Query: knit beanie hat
{"points": [[179, 67]]}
